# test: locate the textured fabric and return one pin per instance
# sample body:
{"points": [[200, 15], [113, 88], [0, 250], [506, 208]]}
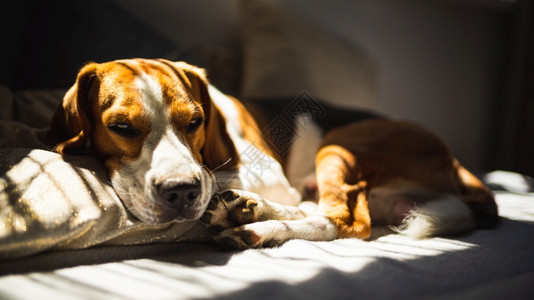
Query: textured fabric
{"points": [[52, 202], [483, 264]]}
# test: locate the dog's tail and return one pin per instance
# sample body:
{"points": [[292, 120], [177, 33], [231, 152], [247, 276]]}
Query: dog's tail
{"points": [[474, 207], [445, 216]]}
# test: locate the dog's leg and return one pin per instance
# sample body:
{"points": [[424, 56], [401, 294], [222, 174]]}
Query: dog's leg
{"points": [[232, 208], [273, 233], [345, 205], [351, 221], [343, 211], [478, 198], [246, 220]]}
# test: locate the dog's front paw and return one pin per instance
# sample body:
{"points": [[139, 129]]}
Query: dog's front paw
{"points": [[254, 235], [238, 238], [231, 208]]}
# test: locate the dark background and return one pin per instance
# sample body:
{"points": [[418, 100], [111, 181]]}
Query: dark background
{"points": [[44, 44]]}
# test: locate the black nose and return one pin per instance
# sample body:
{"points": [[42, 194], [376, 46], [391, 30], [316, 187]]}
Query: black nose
{"points": [[178, 193]]}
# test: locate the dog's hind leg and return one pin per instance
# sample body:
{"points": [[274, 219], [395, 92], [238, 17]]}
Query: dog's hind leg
{"points": [[478, 198], [343, 204]]}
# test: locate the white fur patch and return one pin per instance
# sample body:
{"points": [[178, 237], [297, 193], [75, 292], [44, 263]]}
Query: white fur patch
{"points": [[275, 232], [258, 173], [151, 95], [445, 216]]}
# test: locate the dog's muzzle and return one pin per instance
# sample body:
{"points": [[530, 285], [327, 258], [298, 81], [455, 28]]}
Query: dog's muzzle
{"points": [[162, 200]]}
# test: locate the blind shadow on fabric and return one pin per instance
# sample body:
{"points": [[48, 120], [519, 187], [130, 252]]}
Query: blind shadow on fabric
{"points": [[54, 202], [392, 266], [394, 271]]}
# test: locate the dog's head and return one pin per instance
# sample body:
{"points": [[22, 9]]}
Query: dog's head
{"points": [[154, 126]]}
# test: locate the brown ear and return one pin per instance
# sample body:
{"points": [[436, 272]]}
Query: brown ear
{"points": [[71, 126], [219, 151]]}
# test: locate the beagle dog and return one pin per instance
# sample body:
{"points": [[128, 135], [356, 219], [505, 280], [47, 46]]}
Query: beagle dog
{"points": [[166, 144], [178, 149]]}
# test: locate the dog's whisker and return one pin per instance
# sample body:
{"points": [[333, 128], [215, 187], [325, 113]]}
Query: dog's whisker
{"points": [[229, 186], [220, 166]]}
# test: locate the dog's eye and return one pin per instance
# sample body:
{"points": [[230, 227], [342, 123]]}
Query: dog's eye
{"points": [[123, 129], [194, 124]]}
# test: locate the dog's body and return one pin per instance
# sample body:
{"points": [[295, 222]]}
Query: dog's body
{"points": [[378, 171], [172, 143]]}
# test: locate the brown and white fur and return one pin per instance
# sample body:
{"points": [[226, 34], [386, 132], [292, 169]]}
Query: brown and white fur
{"points": [[373, 172], [178, 149], [161, 137]]}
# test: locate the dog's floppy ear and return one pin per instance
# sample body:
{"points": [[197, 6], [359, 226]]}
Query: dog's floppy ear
{"points": [[71, 125], [219, 151]]}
